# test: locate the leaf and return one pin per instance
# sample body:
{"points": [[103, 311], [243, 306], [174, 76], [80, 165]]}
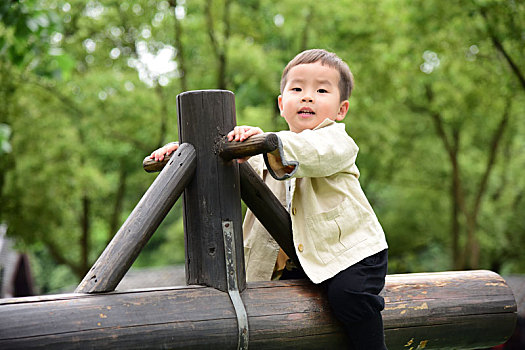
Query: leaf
{"points": [[5, 133], [66, 64], [42, 20], [32, 24]]}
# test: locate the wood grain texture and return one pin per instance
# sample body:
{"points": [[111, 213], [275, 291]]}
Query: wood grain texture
{"points": [[153, 166], [257, 144], [119, 255], [205, 117], [450, 310], [268, 210]]}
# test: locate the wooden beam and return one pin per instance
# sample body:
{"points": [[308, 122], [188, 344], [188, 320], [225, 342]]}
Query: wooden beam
{"points": [[447, 310], [268, 210], [122, 251]]}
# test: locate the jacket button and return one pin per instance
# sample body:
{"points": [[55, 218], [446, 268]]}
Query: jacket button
{"points": [[300, 247], [294, 211]]}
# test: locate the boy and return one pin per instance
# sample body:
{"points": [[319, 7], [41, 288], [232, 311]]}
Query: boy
{"points": [[337, 237]]}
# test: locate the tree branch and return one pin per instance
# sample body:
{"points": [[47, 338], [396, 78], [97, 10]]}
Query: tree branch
{"points": [[60, 258], [57, 93], [307, 21], [499, 46], [496, 138], [211, 28]]}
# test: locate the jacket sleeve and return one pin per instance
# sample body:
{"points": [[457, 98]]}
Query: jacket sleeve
{"points": [[313, 153], [257, 163]]}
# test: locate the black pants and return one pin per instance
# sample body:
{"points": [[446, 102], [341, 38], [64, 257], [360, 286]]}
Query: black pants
{"points": [[353, 295]]}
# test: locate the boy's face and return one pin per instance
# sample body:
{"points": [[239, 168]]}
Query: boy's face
{"points": [[311, 95]]}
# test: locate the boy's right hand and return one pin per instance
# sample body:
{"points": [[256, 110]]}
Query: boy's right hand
{"points": [[241, 133], [159, 154]]}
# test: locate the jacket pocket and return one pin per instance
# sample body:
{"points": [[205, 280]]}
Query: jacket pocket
{"points": [[338, 229]]}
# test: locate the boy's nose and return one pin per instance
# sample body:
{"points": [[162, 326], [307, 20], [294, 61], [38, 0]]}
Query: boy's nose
{"points": [[307, 98]]}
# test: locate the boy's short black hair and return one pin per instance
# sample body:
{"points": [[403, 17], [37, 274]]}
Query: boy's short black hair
{"points": [[346, 79]]}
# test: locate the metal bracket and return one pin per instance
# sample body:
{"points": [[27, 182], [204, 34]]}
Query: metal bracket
{"points": [[233, 287]]}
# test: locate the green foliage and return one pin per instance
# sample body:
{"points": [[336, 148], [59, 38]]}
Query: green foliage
{"points": [[5, 133], [87, 89], [30, 33]]}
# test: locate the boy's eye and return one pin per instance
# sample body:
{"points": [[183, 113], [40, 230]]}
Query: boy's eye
{"points": [[298, 89], [322, 91]]}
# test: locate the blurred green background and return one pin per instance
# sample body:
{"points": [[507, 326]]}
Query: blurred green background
{"points": [[87, 90]]}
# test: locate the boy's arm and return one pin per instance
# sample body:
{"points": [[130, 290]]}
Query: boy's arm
{"points": [[313, 153], [276, 165]]}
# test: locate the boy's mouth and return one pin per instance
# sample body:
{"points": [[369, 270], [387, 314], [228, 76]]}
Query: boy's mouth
{"points": [[306, 111]]}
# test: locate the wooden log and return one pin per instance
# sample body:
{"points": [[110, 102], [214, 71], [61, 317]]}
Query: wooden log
{"points": [[448, 310], [268, 210], [152, 166], [119, 255], [257, 144], [213, 197]]}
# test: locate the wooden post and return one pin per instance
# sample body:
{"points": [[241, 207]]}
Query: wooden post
{"points": [[122, 251], [213, 197]]}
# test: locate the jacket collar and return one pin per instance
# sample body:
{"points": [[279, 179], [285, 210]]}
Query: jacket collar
{"points": [[324, 123]]}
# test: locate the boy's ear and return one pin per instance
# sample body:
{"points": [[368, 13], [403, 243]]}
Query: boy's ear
{"points": [[343, 109], [280, 103]]}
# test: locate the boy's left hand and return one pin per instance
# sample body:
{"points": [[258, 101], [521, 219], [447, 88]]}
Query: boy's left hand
{"points": [[159, 154]]}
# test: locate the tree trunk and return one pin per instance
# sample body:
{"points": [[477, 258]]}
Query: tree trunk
{"points": [[163, 115], [84, 239], [180, 49], [220, 49], [455, 194], [119, 202], [472, 249]]}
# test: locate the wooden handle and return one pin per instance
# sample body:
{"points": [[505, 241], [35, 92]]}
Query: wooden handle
{"points": [[152, 166], [228, 150], [257, 144]]}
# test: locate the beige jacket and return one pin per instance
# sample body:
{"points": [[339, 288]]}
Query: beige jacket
{"points": [[333, 224]]}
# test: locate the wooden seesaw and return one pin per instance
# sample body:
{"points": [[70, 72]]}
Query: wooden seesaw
{"points": [[218, 309]]}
